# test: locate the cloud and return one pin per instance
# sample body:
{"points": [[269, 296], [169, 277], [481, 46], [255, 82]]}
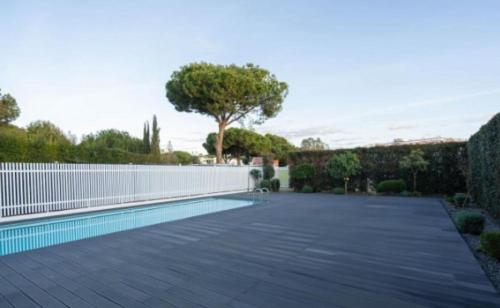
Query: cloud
{"points": [[403, 107]]}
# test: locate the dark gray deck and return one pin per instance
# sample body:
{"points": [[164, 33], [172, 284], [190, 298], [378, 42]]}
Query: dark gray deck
{"points": [[298, 250]]}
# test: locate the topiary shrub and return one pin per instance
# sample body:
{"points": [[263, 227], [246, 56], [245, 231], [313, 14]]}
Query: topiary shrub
{"points": [[339, 191], [490, 243], [275, 185], [256, 174], [301, 175], [405, 193], [307, 189], [450, 199], [391, 186], [470, 222], [268, 171], [460, 199], [265, 184]]}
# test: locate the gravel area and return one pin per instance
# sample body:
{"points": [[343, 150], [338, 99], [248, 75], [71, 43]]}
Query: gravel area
{"points": [[490, 265]]}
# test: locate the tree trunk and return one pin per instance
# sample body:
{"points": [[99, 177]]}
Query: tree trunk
{"points": [[414, 181], [238, 159], [218, 143], [345, 186]]}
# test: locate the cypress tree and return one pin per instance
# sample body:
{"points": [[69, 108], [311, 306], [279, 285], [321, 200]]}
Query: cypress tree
{"points": [[155, 138], [146, 139]]}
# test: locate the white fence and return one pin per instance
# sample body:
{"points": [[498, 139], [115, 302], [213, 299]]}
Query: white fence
{"points": [[28, 188]]}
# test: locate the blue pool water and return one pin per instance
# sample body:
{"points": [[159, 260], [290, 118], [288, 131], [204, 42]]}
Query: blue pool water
{"points": [[36, 234]]}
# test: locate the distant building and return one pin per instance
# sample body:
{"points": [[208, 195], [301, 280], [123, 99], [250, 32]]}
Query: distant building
{"points": [[207, 159], [400, 141]]}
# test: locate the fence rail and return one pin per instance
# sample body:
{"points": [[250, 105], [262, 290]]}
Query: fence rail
{"points": [[29, 188]]}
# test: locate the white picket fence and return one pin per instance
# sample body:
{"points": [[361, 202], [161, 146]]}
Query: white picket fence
{"points": [[28, 188]]}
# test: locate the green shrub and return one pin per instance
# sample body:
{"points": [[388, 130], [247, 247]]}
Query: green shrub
{"points": [[490, 243], [405, 193], [460, 199], [470, 222], [301, 175], [275, 185], [256, 174], [339, 191], [416, 194], [268, 172], [265, 184], [391, 186], [307, 189], [450, 199]]}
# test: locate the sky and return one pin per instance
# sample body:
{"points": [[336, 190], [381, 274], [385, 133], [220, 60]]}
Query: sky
{"points": [[359, 72]]}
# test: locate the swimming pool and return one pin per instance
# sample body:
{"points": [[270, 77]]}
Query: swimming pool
{"points": [[42, 233]]}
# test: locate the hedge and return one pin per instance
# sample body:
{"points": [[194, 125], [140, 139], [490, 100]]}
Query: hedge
{"points": [[445, 173], [484, 166]]}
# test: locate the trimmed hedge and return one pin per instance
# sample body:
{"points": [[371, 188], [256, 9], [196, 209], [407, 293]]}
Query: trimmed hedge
{"points": [[444, 175], [484, 166]]}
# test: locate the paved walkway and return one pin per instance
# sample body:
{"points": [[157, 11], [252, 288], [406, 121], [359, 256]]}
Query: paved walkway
{"points": [[298, 250]]}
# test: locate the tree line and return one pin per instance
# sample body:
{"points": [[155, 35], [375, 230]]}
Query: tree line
{"points": [[43, 141]]}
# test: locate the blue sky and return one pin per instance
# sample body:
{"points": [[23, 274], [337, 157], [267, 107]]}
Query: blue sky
{"points": [[360, 72]]}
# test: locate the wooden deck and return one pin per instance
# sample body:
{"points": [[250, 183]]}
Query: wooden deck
{"points": [[297, 250]]}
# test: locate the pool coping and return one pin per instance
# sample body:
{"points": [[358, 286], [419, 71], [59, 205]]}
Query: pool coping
{"points": [[100, 208]]}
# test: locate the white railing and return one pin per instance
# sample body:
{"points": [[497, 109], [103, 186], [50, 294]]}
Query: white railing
{"points": [[29, 188]]}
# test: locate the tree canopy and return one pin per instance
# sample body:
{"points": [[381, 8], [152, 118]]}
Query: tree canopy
{"points": [[311, 144], [240, 143], [113, 138], [280, 147], [228, 93], [9, 111]]}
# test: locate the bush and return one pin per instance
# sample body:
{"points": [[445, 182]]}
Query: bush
{"points": [[490, 243], [450, 199], [275, 185], [405, 193], [339, 191], [307, 189], [460, 199], [256, 174], [301, 175], [416, 194], [391, 186], [265, 184], [470, 222], [484, 166], [268, 171]]}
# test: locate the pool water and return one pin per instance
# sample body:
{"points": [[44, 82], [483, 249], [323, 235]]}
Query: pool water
{"points": [[42, 233]]}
